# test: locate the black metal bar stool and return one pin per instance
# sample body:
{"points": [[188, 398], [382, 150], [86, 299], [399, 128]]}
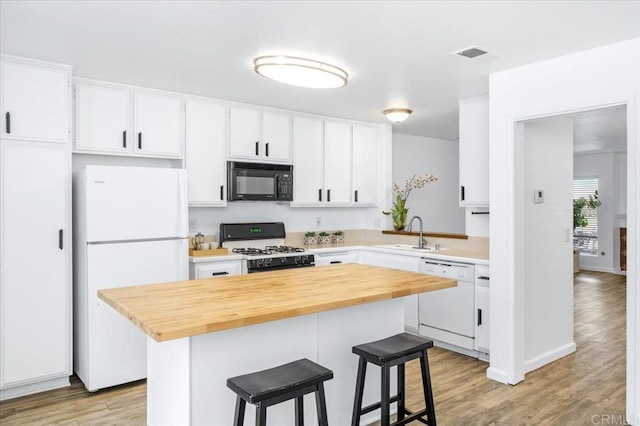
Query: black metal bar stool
{"points": [[394, 350], [288, 381]]}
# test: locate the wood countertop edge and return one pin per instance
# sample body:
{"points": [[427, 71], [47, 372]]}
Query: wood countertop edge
{"points": [[190, 331]]}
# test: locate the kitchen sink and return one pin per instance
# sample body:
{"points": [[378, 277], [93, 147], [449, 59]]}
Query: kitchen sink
{"points": [[409, 247]]}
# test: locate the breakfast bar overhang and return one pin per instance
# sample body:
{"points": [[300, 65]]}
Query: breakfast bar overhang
{"points": [[202, 332]]}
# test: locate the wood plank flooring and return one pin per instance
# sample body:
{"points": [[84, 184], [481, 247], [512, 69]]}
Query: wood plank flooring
{"points": [[576, 390]]}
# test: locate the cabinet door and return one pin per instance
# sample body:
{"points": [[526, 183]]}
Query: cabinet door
{"points": [[158, 125], [337, 163], [217, 269], [276, 136], [482, 317], [102, 119], [206, 162], [365, 166], [334, 258], [474, 152], [244, 133], [35, 249], [35, 103], [307, 161]]}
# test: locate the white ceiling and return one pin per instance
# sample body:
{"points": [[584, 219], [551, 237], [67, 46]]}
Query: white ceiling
{"points": [[600, 130], [397, 53]]}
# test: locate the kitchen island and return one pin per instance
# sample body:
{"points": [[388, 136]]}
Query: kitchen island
{"points": [[202, 332]]}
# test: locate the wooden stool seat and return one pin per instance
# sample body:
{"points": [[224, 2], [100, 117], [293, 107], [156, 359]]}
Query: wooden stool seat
{"points": [[282, 383], [386, 353]]}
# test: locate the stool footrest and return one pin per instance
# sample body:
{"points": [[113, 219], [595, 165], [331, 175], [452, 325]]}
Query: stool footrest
{"points": [[412, 417], [372, 407]]}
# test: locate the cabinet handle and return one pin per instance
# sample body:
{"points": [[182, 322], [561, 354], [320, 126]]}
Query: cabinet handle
{"points": [[320, 194], [356, 196], [7, 118], [479, 317], [461, 192], [215, 274], [221, 192], [334, 262], [266, 149], [124, 138], [482, 277], [328, 195], [139, 140], [60, 239], [257, 148]]}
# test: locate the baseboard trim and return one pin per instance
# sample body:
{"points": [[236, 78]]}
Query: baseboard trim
{"points": [[46, 385], [497, 375], [550, 356], [597, 269]]}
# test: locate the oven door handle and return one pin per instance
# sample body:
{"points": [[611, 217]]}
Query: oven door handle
{"points": [[277, 187]]}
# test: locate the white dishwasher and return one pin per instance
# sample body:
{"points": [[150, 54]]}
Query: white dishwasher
{"points": [[447, 316]]}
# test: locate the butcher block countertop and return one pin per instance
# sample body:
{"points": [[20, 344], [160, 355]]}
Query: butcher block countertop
{"points": [[188, 308]]}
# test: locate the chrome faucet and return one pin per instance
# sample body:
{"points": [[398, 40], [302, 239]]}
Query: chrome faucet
{"points": [[421, 242]]}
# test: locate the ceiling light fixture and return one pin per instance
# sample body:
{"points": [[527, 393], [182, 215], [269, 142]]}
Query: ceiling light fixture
{"points": [[397, 115], [300, 72]]}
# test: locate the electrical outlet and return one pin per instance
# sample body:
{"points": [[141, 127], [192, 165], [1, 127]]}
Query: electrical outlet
{"points": [[318, 222], [193, 225]]}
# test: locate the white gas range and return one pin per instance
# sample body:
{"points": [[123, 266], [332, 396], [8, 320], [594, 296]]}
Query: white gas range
{"points": [[262, 247]]}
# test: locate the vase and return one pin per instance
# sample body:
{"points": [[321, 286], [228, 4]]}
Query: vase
{"points": [[400, 219], [310, 241]]}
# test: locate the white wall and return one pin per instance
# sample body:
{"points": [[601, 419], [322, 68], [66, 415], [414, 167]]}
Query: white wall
{"points": [[591, 79], [607, 168], [436, 203], [548, 325]]}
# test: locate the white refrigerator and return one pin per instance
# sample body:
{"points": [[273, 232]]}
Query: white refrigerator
{"points": [[130, 228]]}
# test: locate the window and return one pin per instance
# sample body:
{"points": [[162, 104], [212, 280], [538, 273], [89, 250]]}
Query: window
{"points": [[585, 239]]}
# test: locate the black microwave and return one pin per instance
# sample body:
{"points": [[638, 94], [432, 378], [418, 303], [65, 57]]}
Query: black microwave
{"points": [[259, 182]]}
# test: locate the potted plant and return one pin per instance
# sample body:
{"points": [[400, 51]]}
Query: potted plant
{"points": [[399, 210], [324, 238], [337, 237], [310, 239], [580, 220]]}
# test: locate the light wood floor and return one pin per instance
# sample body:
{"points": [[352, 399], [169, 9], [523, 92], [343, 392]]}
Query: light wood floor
{"points": [[571, 391]]}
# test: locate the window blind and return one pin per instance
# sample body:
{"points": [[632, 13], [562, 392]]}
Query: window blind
{"points": [[585, 239]]}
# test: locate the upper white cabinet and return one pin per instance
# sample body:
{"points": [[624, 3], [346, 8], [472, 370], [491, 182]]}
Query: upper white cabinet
{"points": [[308, 154], [337, 163], [474, 152], [117, 120], [365, 163], [334, 163], [35, 102], [103, 119], [258, 135], [206, 156]]}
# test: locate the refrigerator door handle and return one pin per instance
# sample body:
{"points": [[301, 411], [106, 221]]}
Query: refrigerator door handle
{"points": [[184, 208]]}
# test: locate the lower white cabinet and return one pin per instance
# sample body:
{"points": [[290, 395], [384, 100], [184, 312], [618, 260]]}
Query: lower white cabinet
{"points": [[482, 309], [35, 277], [335, 257], [214, 268]]}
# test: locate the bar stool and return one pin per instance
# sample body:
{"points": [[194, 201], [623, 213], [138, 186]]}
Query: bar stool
{"points": [[282, 383], [395, 350]]}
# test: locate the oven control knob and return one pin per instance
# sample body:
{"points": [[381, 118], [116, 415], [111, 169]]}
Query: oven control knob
{"points": [[267, 262], [304, 259], [283, 260], [259, 263], [297, 259]]}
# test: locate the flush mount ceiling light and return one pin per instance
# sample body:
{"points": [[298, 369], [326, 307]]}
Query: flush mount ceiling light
{"points": [[397, 115], [300, 72]]}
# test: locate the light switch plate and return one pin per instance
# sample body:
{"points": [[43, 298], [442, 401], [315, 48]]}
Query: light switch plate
{"points": [[538, 196]]}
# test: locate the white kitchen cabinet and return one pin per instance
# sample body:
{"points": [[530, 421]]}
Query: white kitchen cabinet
{"points": [[103, 119], [35, 278], [335, 257], [258, 135], [365, 164], [35, 101], [482, 285], [114, 119], [214, 269], [157, 124], [404, 263], [206, 159], [308, 157], [474, 152], [337, 163]]}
